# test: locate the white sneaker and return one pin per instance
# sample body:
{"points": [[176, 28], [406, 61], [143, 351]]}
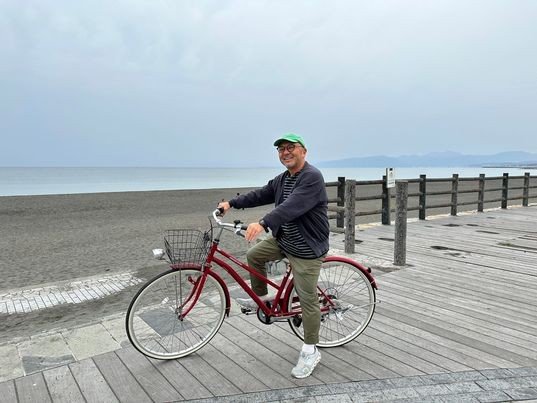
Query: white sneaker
{"points": [[306, 364], [249, 303]]}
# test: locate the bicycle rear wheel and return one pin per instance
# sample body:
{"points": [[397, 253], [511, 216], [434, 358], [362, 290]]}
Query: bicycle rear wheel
{"points": [[348, 299], [155, 325]]}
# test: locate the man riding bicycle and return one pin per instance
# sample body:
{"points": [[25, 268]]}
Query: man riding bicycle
{"points": [[300, 231]]}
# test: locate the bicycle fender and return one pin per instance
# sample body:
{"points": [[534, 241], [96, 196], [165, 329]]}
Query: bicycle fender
{"points": [[194, 266], [363, 269]]}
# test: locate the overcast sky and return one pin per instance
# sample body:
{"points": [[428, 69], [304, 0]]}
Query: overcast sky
{"points": [[211, 83]]}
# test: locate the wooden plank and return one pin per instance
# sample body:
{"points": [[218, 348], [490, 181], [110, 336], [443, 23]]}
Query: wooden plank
{"points": [[182, 380], [154, 384], [284, 348], [208, 376], [455, 256], [364, 368], [471, 329], [91, 382], [239, 376], [459, 308], [62, 386], [7, 391], [120, 380], [463, 269], [361, 349], [32, 388], [414, 361], [472, 282], [264, 364], [492, 354], [505, 303], [473, 289], [287, 350], [496, 256], [414, 345], [433, 342], [366, 361]]}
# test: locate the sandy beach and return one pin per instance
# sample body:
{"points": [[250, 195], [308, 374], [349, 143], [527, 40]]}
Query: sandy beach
{"points": [[60, 238]]}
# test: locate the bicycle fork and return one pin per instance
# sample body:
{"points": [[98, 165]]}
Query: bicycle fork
{"points": [[192, 297]]}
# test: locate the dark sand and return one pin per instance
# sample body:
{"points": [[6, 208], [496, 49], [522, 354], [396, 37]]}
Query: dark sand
{"points": [[58, 238], [47, 239]]}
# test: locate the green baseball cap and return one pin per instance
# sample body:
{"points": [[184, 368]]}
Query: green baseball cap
{"points": [[291, 138]]}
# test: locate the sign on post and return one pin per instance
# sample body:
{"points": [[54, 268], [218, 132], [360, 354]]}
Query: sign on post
{"points": [[390, 177]]}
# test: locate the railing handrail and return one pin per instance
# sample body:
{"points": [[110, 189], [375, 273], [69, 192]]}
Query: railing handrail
{"points": [[348, 195]]}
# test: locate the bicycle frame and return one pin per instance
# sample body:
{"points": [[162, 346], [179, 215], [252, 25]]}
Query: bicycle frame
{"points": [[278, 310], [280, 288]]}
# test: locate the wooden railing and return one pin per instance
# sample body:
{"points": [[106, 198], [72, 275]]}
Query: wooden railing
{"points": [[346, 202]]}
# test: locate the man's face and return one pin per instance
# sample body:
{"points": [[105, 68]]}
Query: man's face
{"points": [[292, 156]]}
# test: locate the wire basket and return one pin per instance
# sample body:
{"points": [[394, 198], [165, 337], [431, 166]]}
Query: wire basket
{"points": [[187, 245]]}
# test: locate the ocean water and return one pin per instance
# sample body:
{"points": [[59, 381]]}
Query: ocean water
{"points": [[43, 181]]}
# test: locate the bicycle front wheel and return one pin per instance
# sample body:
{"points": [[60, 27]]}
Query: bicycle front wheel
{"points": [[347, 301], [164, 319]]}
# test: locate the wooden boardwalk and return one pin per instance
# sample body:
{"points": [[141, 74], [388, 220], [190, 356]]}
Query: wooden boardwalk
{"points": [[466, 301]]}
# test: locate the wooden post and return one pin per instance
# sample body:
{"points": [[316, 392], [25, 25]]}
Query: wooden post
{"points": [[340, 220], [454, 193], [526, 191], [350, 215], [505, 190], [481, 194], [386, 202], [423, 197], [401, 197]]}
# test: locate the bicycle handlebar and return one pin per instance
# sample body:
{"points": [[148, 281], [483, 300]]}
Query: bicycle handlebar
{"points": [[236, 226]]}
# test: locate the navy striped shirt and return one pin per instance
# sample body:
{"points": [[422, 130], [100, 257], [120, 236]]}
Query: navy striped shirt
{"points": [[290, 239]]}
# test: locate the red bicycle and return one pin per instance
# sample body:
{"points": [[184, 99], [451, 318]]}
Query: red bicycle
{"points": [[181, 310]]}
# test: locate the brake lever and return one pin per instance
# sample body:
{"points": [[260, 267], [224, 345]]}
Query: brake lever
{"points": [[239, 226]]}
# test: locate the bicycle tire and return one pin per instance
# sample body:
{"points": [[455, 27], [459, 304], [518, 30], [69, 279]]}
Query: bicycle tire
{"points": [[153, 324], [352, 293]]}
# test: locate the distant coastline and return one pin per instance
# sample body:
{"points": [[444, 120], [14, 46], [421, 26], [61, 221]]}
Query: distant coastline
{"points": [[514, 159], [511, 166]]}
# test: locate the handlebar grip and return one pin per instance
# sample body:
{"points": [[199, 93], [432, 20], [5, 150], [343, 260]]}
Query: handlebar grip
{"points": [[244, 227], [220, 211]]}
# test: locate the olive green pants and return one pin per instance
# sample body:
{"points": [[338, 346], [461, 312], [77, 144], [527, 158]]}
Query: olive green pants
{"points": [[305, 277]]}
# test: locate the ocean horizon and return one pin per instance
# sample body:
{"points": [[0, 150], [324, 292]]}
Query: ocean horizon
{"points": [[32, 181]]}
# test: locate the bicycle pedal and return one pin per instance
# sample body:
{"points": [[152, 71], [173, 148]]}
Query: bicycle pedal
{"points": [[247, 311]]}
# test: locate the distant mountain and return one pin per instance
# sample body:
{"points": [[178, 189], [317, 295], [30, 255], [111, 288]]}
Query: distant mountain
{"points": [[437, 159]]}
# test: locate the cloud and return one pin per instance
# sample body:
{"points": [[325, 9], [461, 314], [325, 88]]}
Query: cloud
{"points": [[354, 73]]}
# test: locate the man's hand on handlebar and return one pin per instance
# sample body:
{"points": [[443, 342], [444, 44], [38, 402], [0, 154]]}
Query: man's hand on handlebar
{"points": [[253, 231], [224, 205]]}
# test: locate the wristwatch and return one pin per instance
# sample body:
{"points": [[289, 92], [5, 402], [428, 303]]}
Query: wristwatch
{"points": [[262, 223]]}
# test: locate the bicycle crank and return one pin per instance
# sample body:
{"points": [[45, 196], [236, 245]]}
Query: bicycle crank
{"points": [[267, 320]]}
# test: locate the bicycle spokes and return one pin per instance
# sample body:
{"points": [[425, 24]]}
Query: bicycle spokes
{"points": [[346, 300], [176, 314]]}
